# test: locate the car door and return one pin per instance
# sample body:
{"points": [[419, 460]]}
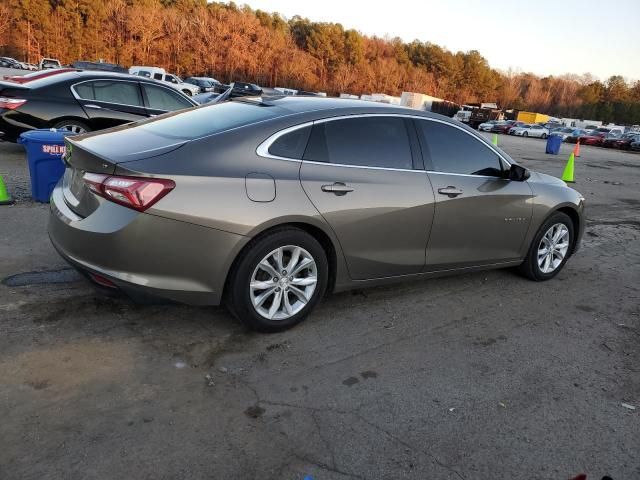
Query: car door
{"points": [[361, 175], [159, 99], [481, 218], [109, 102], [536, 131]]}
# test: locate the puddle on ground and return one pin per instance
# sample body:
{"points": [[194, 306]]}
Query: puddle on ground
{"points": [[63, 275]]}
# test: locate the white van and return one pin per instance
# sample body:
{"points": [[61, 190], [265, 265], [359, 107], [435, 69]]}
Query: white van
{"points": [[160, 74]]}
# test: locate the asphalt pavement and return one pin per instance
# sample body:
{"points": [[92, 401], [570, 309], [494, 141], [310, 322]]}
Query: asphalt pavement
{"points": [[476, 376]]}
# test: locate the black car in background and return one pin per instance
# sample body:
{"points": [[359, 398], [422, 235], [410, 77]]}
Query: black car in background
{"points": [[207, 84], [8, 62], [82, 101]]}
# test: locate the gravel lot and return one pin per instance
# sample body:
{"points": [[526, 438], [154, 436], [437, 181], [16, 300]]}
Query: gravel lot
{"points": [[478, 376]]}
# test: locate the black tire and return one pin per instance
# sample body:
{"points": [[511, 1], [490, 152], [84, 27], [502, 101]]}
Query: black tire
{"points": [[72, 123], [544, 136], [187, 93], [238, 296], [525, 134], [530, 267]]}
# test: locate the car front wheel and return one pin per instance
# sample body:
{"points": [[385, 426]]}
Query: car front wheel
{"points": [[544, 135], [278, 280], [550, 248]]}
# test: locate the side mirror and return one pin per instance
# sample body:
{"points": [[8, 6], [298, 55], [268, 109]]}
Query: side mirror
{"points": [[518, 173]]}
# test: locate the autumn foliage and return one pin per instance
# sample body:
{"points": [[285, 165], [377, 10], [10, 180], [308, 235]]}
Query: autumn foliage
{"points": [[193, 37]]}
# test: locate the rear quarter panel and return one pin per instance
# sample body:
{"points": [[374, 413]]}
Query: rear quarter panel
{"points": [[210, 176]]}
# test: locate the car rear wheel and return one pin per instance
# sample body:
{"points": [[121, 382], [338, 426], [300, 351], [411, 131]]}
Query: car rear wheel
{"points": [[74, 126], [278, 280], [544, 135], [525, 134], [187, 92], [550, 248]]}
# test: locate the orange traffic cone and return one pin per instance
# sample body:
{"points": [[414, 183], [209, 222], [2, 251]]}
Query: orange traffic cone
{"points": [[576, 149]]}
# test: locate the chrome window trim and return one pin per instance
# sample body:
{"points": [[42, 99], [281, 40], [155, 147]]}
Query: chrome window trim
{"points": [[263, 148], [78, 97]]}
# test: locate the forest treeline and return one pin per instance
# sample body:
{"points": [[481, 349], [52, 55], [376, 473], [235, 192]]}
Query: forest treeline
{"points": [[229, 42]]}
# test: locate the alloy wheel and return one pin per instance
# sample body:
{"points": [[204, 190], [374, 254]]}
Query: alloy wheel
{"points": [[283, 282], [553, 248], [73, 128]]}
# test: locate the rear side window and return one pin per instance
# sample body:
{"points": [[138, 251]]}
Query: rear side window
{"points": [[365, 141], [209, 119], [160, 98], [292, 144], [454, 151], [110, 91]]}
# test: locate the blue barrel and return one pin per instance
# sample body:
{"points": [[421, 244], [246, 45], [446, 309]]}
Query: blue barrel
{"points": [[45, 148], [553, 144]]}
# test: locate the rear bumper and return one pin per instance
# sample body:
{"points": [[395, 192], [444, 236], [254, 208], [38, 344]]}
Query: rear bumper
{"points": [[144, 255], [9, 131]]}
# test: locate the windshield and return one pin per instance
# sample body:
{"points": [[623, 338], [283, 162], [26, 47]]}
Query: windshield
{"points": [[209, 119], [567, 130]]}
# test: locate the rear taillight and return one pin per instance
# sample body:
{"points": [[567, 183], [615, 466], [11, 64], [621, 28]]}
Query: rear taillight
{"points": [[11, 103], [134, 192]]}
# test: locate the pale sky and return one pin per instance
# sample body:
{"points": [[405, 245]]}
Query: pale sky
{"points": [[546, 37]]}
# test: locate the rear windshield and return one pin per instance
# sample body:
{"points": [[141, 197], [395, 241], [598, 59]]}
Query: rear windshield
{"points": [[209, 119]]}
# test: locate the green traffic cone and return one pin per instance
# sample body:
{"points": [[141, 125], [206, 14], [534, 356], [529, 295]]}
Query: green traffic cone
{"points": [[5, 198], [495, 139], [567, 175]]}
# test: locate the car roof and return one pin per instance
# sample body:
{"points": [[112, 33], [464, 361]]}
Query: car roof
{"points": [[79, 75]]}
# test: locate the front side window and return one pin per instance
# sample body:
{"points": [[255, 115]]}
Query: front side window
{"points": [[160, 98], [366, 141], [110, 91], [454, 151]]}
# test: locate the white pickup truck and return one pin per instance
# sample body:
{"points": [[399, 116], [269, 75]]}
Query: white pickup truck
{"points": [[160, 74]]}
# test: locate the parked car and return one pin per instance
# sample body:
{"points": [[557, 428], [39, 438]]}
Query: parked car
{"points": [[635, 144], [162, 76], [596, 137], [564, 132], [8, 62], [49, 63], [256, 201], [623, 141], [502, 126], [81, 101], [207, 84], [487, 126], [536, 130], [575, 135], [515, 125], [590, 128]]}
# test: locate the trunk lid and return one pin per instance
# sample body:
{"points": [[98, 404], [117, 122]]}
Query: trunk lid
{"points": [[97, 153]]}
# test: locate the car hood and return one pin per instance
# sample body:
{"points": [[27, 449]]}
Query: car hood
{"points": [[537, 177]]}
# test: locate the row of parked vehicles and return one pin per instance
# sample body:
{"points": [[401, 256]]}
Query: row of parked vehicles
{"points": [[592, 135], [88, 100]]}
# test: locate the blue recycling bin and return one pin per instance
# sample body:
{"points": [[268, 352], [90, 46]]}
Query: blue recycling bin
{"points": [[553, 144], [45, 148]]}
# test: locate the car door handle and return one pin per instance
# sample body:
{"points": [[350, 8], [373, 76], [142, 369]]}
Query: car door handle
{"points": [[91, 105], [338, 188], [450, 191]]}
